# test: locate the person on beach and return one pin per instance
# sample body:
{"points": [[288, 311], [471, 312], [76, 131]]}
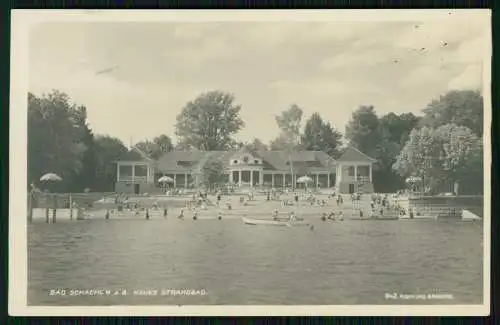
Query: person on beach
{"points": [[181, 215], [218, 197]]}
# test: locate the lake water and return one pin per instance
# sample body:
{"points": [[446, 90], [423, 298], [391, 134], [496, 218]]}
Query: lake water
{"points": [[350, 262]]}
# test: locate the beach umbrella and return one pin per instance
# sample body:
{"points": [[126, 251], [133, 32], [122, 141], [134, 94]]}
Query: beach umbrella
{"points": [[50, 177], [304, 179], [413, 179], [165, 179]]}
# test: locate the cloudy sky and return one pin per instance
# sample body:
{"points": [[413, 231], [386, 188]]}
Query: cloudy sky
{"points": [[134, 77]]}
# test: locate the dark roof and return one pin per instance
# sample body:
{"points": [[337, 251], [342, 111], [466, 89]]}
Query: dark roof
{"points": [[188, 161], [353, 154], [134, 154]]}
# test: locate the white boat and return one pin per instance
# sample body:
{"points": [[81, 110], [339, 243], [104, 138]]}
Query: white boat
{"points": [[374, 219], [249, 221], [469, 216], [415, 217]]}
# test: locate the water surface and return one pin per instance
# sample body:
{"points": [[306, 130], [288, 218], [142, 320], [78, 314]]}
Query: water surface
{"points": [[350, 262]]}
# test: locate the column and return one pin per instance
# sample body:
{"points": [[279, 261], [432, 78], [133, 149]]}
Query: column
{"points": [[239, 179], [118, 172], [175, 180], [251, 178], [261, 177], [284, 180], [317, 180], [370, 170], [339, 175], [185, 180], [356, 180], [231, 176], [272, 180], [133, 172], [328, 179]]}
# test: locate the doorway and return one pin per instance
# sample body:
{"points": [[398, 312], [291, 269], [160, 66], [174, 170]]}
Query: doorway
{"points": [[351, 188], [136, 188]]}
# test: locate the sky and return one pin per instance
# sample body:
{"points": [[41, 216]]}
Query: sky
{"points": [[135, 77]]}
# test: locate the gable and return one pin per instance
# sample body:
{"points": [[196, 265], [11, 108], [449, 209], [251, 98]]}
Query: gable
{"points": [[244, 158], [133, 154], [354, 155]]}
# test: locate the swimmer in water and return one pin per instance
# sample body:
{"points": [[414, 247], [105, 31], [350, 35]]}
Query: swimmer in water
{"points": [[275, 214]]}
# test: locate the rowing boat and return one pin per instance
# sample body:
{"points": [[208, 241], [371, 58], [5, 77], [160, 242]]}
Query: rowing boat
{"points": [[265, 222], [374, 219]]}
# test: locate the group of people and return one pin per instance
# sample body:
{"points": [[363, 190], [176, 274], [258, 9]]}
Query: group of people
{"points": [[339, 216]]}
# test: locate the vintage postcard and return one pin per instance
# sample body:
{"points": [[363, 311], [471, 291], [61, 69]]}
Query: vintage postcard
{"points": [[250, 162]]}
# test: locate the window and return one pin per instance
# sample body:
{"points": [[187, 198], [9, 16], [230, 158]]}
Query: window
{"points": [[235, 161], [245, 160], [350, 171], [255, 161]]}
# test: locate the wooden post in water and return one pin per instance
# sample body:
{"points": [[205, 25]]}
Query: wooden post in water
{"points": [[70, 207], [30, 207], [54, 210]]}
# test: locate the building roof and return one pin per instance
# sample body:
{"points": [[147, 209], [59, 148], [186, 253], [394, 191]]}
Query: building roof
{"points": [[352, 154], [134, 154], [189, 161]]}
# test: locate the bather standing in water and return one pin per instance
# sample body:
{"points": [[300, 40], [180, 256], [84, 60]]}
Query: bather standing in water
{"points": [[275, 214]]}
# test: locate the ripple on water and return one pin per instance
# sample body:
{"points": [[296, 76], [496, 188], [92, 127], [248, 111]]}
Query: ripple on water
{"points": [[341, 263]]}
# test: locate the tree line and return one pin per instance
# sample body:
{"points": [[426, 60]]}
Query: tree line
{"points": [[61, 141]]}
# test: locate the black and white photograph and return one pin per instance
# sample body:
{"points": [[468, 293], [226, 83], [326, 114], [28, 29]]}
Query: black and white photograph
{"points": [[250, 162]]}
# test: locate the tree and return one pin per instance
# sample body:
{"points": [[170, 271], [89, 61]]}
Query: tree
{"points": [[289, 123], [440, 156], [254, 146], [320, 136], [156, 148], [463, 108], [398, 127], [108, 150], [362, 129], [213, 172], [56, 138], [86, 177], [164, 143], [209, 122], [392, 133]]}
